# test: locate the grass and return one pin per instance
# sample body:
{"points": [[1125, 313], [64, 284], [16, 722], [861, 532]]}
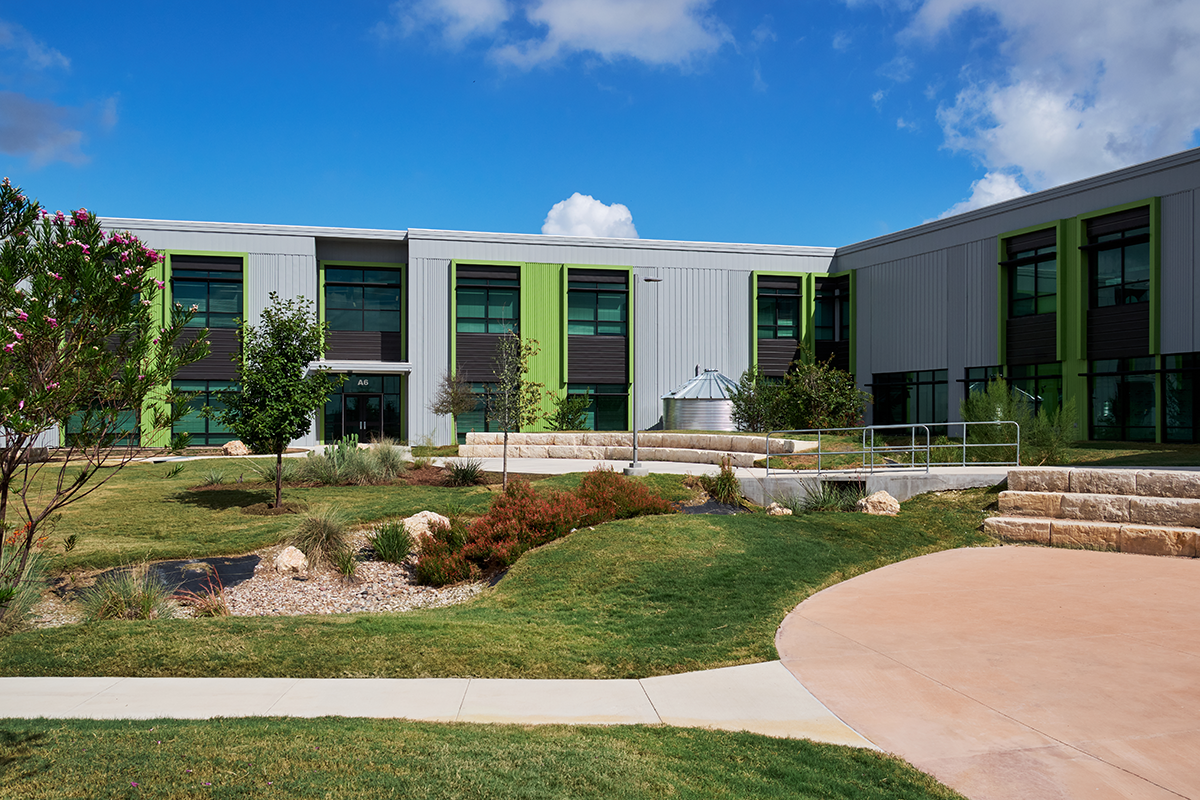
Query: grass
{"points": [[365, 758], [648, 596]]}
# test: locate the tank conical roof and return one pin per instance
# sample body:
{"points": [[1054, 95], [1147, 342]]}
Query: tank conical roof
{"points": [[708, 385]]}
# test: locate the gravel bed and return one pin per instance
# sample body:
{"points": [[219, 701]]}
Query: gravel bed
{"points": [[378, 586]]}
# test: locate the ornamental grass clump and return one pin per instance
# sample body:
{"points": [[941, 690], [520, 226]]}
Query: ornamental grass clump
{"points": [[724, 487], [134, 593], [391, 542], [208, 602], [322, 535], [465, 472]]}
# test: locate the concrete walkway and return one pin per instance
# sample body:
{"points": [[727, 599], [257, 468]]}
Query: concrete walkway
{"points": [[760, 698], [1016, 672]]}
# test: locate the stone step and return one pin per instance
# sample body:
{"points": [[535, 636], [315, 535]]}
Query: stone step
{"points": [[1129, 482], [725, 443], [1152, 540], [687, 456], [1172, 511]]}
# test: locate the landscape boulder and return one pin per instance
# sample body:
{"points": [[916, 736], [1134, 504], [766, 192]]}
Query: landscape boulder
{"points": [[776, 510], [291, 561], [235, 448], [879, 503], [421, 525]]}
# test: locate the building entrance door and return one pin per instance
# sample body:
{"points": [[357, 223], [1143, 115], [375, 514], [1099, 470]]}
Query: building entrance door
{"points": [[362, 415]]}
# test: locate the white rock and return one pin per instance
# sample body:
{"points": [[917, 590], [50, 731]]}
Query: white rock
{"points": [[291, 561], [422, 524], [776, 510], [879, 503], [235, 448]]}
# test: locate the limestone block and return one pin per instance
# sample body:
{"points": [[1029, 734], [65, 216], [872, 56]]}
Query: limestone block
{"points": [[561, 451], [1085, 534], [674, 439], [879, 503], [1101, 507], [743, 459], [1104, 481], [1039, 480], [1168, 483], [1150, 540], [618, 453], [235, 448], [474, 451], [1018, 529], [1030, 504], [1172, 512], [778, 446], [291, 561], [540, 439], [475, 437], [533, 451]]}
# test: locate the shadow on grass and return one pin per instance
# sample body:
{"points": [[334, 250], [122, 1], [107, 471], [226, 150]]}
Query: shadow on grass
{"points": [[221, 499], [17, 749], [1134, 454]]}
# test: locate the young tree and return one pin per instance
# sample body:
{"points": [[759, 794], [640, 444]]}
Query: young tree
{"points": [[85, 349], [570, 411], [515, 401], [276, 393], [452, 398]]}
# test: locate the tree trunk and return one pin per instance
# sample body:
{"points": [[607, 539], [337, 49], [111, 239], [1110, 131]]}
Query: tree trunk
{"points": [[504, 484], [278, 478]]}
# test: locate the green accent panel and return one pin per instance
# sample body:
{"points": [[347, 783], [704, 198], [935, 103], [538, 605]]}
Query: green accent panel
{"points": [[151, 438], [812, 315], [542, 318], [754, 319], [1072, 319], [853, 321]]}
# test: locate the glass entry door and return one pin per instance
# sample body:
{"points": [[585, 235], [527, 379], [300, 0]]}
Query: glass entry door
{"points": [[362, 415]]}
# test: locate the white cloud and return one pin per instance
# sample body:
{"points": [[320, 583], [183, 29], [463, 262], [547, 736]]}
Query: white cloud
{"points": [[38, 131], [584, 215], [764, 32], [841, 41], [992, 188], [907, 125], [458, 20], [34, 54], [675, 32], [1089, 85], [654, 31], [877, 99]]}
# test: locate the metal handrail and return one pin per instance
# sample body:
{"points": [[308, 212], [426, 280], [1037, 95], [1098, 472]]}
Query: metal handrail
{"points": [[912, 450]]}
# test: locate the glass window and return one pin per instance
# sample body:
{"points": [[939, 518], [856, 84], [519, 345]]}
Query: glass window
{"points": [[205, 432], [1121, 402], [368, 406], [1119, 267], [609, 407], [832, 317], [597, 309], [977, 378], [1040, 384], [216, 293], [1180, 398], [903, 398], [487, 305], [1032, 281], [779, 312], [363, 299]]}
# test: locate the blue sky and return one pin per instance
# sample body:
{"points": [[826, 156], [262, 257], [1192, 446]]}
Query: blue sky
{"points": [[819, 123]]}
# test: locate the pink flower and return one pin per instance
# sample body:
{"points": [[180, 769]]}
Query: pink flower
{"points": [[53, 322], [141, 377], [8, 348], [56, 276], [21, 406], [52, 385], [21, 315], [17, 334], [159, 283]]}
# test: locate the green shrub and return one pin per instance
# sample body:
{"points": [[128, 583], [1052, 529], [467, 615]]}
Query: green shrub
{"points": [[724, 487], [814, 394], [345, 561], [391, 541], [464, 472], [212, 477], [613, 496], [1051, 433], [133, 593], [321, 535], [441, 561], [828, 496], [995, 403], [319, 468], [570, 412], [19, 594], [389, 460]]}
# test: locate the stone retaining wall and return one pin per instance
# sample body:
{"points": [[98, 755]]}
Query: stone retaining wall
{"points": [[1153, 512], [699, 448]]}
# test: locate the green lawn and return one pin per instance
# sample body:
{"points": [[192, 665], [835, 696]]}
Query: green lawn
{"points": [[649, 596], [141, 515], [362, 758]]}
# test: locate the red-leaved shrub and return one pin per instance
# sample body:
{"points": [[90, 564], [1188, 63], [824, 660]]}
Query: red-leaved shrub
{"points": [[520, 519]]}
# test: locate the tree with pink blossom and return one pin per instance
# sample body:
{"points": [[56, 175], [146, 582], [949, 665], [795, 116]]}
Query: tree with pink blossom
{"points": [[87, 349]]}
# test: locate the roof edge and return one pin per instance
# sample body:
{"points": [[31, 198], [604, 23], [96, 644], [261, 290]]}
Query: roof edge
{"points": [[429, 234], [192, 226]]}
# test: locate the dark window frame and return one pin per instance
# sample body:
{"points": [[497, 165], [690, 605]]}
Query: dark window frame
{"points": [[193, 271], [594, 291], [832, 298], [773, 297], [1120, 231], [334, 279], [506, 282]]}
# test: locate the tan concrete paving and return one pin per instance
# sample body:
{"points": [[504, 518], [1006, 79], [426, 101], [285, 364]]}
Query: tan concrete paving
{"points": [[761, 698], [1016, 672]]}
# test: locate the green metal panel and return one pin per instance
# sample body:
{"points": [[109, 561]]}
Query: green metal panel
{"points": [[808, 305], [629, 343], [1072, 319], [754, 320], [542, 310]]}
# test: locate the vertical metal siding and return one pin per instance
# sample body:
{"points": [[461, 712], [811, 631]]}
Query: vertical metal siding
{"points": [[429, 332], [907, 305], [1177, 323], [863, 336], [289, 276], [981, 332], [957, 321]]}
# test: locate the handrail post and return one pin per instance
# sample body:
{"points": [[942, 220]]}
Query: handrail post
{"points": [[819, 448]]}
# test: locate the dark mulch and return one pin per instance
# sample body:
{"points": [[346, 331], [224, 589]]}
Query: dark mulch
{"points": [[712, 507], [269, 509]]}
